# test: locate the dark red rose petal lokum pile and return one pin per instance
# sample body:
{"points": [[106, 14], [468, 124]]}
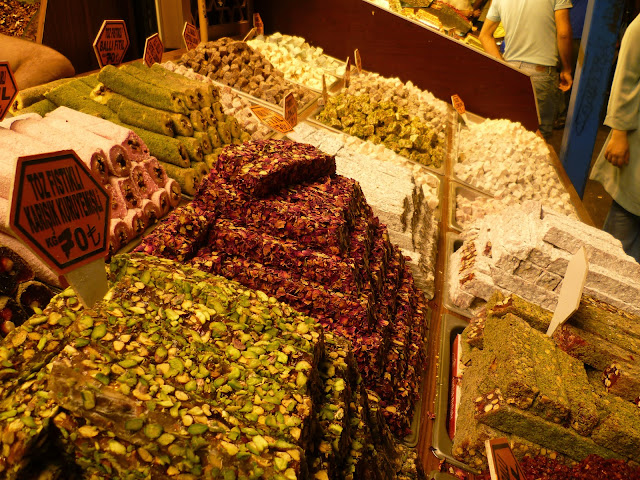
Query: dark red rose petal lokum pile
{"points": [[592, 467], [278, 219]]}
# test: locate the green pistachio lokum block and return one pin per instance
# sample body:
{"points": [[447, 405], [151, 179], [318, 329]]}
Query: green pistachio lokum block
{"points": [[623, 380], [583, 415], [536, 316], [165, 149], [205, 141], [198, 121], [211, 160], [201, 169], [218, 112], [234, 126], [209, 117], [551, 402], [31, 95], [186, 177], [509, 339], [145, 93], [90, 80], [496, 413], [214, 136], [67, 96], [224, 133], [146, 75], [41, 108], [609, 315]]}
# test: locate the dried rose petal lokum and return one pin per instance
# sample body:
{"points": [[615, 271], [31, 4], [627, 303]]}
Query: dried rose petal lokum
{"points": [[262, 167]]}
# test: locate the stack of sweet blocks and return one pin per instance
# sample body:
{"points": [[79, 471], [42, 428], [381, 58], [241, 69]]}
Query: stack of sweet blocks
{"points": [[526, 250], [566, 397], [275, 217]]}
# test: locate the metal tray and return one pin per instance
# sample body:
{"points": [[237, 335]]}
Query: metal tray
{"points": [[453, 243], [440, 440], [465, 191], [312, 120]]}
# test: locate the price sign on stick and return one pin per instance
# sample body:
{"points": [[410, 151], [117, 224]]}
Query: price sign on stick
{"points": [[291, 110], [325, 93], [458, 104], [358, 60], [62, 213], [502, 464], [347, 73], [8, 88], [272, 119], [153, 50], [257, 22], [191, 36], [111, 43], [571, 291]]}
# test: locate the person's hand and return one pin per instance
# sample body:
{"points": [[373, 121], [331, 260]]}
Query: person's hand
{"points": [[566, 80], [617, 150], [477, 13]]}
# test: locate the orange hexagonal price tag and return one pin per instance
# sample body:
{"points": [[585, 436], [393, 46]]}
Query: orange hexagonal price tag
{"points": [[111, 43], [8, 88], [153, 50]]}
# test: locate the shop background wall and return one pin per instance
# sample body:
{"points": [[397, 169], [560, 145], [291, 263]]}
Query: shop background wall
{"points": [[71, 27], [396, 47]]}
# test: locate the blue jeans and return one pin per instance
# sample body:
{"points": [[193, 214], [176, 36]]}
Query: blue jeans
{"points": [[545, 82], [625, 226]]}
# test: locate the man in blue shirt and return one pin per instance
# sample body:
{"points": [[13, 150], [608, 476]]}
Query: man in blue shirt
{"points": [[536, 32]]}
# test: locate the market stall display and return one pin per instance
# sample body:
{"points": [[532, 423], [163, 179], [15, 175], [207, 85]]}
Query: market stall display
{"points": [[405, 201], [387, 123], [232, 104], [315, 245], [182, 384], [237, 65], [556, 396], [526, 249]]}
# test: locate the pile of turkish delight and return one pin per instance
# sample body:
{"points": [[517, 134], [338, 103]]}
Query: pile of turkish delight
{"points": [[387, 123], [275, 217], [236, 64], [298, 49], [117, 158], [403, 195], [232, 103], [180, 374], [554, 397], [288, 57], [526, 250], [511, 163]]}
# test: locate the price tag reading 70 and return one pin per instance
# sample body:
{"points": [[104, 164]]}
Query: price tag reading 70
{"points": [[60, 210]]}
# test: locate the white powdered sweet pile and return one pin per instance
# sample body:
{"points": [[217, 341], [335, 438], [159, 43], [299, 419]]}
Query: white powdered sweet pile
{"points": [[526, 249], [403, 195], [503, 158]]}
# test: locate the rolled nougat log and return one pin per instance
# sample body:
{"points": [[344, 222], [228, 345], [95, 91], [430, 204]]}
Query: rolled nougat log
{"points": [[33, 294], [91, 155], [207, 89], [136, 222], [174, 191], [202, 170], [125, 187], [32, 95], [42, 107], [11, 315], [150, 95], [211, 160], [194, 148], [224, 132], [209, 118], [155, 171], [214, 136], [126, 138], [68, 96], [121, 234], [139, 115], [234, 126], [144, 74], [14, 270], [118, 161], [90, 80], [198, 121], [118, 204], [205, 141], [186, 177], [166, 149], [41, 270], [142, 182], [152, 211], [218, 112], [161, 199]]}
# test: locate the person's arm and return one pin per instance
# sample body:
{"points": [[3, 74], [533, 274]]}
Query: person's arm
{"points": [[563, 28], [32, 63], [487, 40]]}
